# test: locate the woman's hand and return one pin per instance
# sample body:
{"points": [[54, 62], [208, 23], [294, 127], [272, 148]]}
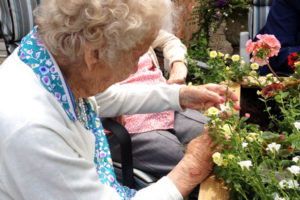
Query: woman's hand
{"points": [[203, 97], [178, 73], [195, 166]]}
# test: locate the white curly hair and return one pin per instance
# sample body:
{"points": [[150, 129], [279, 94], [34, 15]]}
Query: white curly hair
{"points": [[110, 26]]}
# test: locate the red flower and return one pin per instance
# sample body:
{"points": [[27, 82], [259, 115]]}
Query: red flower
{"points": [[290, 149], [292, 59], [269, 90]]}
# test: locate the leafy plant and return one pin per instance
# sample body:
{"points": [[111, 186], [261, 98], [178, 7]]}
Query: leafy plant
{"points": [[256, 164]]}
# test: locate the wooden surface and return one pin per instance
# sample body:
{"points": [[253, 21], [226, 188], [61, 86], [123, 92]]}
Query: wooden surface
{"points": [[211, 189], [237, 90]]}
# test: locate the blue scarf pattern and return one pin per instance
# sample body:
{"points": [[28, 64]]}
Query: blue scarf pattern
{"points": [[33, 53]]}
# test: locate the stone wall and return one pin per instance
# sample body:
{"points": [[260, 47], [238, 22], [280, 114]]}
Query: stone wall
{"points": [[225, 39]]}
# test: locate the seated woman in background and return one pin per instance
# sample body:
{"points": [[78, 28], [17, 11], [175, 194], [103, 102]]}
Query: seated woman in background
{"points": [[52, 144], [158, 139]]}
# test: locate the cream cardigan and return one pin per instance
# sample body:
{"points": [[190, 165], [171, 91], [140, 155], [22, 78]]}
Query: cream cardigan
{"points": [[44, 155]]}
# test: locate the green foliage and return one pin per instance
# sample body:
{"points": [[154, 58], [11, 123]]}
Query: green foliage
{"points": [[259, 164], [208, 15]]}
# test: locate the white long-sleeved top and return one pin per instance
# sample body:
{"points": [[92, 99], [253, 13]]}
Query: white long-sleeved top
{"points": [[44, 155]]}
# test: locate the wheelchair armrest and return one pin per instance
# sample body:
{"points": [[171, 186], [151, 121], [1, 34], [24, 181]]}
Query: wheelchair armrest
{"points": [[124, 140]]}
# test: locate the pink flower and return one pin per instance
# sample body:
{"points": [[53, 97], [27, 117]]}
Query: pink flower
{"points": [[247, 114], [266, 47], [259, 61], [249, 46], [281, 137]]}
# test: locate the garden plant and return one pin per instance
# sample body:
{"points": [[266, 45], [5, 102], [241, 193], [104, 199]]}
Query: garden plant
{"points": [[256, 163]]}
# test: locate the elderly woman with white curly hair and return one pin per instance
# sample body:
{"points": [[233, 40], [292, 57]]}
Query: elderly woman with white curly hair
{"points": [[52, 144]]}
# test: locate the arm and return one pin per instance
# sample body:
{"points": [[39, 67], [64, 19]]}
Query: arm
{"points": [[135, 98], [172, 47], [175, 52], [41, 165]]}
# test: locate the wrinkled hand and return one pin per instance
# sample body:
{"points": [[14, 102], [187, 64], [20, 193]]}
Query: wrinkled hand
{"points": [[196, 164], [178, 73], [203, 97], [198, 156]]}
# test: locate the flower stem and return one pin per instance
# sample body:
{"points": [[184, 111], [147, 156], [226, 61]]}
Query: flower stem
{"points": [[271, 69]]}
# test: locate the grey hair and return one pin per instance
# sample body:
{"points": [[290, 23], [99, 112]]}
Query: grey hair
{"points": [[110, 26]]}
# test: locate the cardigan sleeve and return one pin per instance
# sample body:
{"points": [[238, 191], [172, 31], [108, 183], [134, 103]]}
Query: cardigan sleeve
{"points": [[173, 49], [137, 98]]}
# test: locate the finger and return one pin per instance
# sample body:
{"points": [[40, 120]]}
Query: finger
{"points": [[213, 97]]}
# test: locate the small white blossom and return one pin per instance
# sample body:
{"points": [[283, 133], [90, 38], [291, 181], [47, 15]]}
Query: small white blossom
{"points": [[294, 169], [213, 54], [296, 159], [290, 184], [225, 107], [277, 197], [213, 111], [217, 158], [244, 144], [273, 147], [297, 125], [227, 130], [245, 164]]}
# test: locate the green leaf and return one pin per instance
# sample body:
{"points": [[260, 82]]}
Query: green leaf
{"points": [[267, 135]]}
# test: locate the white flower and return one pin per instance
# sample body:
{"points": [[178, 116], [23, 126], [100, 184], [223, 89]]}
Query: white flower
{"points": [[297, 125], [225, 107], [213, 111], [227, 130], [244, 144], [283, 184], [288, 184], [254, 66], [294, 169], [296, 159], [277, 197], [270, 75], [213, 54], [235, 58], [243, 63], [273, 147], [293, 184], [217, 158], [251, 137], [245, 164]]}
